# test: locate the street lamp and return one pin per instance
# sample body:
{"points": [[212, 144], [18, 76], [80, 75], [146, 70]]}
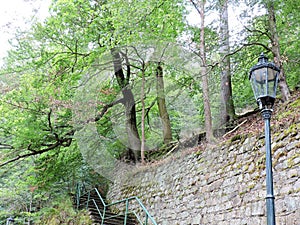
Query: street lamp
{"points": [[264, 80]]}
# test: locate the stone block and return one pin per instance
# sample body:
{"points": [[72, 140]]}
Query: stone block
{"points": [[292, 203], [196, 220], [258, 208]]}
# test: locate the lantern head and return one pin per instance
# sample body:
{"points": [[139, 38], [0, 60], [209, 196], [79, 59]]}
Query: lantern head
{"points": [[264, 79]]}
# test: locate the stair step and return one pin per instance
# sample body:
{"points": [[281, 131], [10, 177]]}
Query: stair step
{"points": [[95, 213], [114, 222], [110, 217]]}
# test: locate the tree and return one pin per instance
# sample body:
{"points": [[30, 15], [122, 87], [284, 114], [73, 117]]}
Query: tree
{"points": [[161, 102], [227, 107], [143, 144], [62, 49], [289, 31], [276, 50], [128, 102], [264, 33], [200, 6]]}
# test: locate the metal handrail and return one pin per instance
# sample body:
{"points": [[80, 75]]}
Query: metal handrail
{"points": [[141, 205], [126, 201], [95, 203], [100, 197]]}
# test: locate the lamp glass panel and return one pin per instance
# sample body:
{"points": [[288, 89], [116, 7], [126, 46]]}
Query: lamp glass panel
{"points": [[258, 81], [271, 74], [260, 75], [272, 83]]}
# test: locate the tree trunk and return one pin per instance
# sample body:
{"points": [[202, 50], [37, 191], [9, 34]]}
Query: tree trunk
{"points": [[227, 111], [161, 103], [205, 89], [276, 51], [143, 117], [134, 142]]}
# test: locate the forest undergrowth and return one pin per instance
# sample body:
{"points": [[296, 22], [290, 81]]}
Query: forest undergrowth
{"points": [[250, 123]]}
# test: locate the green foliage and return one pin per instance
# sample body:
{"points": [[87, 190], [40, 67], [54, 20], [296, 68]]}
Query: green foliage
{"points": [[61, 211], [258, 40], [287, 21], [48, 78], [49, 61]]}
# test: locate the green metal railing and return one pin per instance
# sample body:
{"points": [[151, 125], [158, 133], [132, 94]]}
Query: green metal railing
{"points": [[143, 218], [147, 215]]}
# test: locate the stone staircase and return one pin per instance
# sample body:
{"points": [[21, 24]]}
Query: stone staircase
{"points": [[93, 203]]}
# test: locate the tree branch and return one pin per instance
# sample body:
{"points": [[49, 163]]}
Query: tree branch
{"points": [[106, 107], [258, 31], [31, 153], [66, 141], [5, 146], [196, 7], [49, 121], [239, 49], [23, 107], [128, 73]]}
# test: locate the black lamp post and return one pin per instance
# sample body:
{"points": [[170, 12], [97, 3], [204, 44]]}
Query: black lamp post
{"points": [[264, 80]]}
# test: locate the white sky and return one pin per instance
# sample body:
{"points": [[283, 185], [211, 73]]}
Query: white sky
{"points": [[14, 14], [235, 23]]}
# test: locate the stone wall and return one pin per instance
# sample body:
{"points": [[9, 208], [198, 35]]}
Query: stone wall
{"points": [[224, 185]]}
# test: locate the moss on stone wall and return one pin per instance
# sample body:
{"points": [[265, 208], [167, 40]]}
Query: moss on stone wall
{"points": [[222, 184]]}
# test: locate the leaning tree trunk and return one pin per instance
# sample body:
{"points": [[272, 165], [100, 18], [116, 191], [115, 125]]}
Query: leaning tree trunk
{"points": [[227, 112], [161, 102], [134, 142], [276, 51]]}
